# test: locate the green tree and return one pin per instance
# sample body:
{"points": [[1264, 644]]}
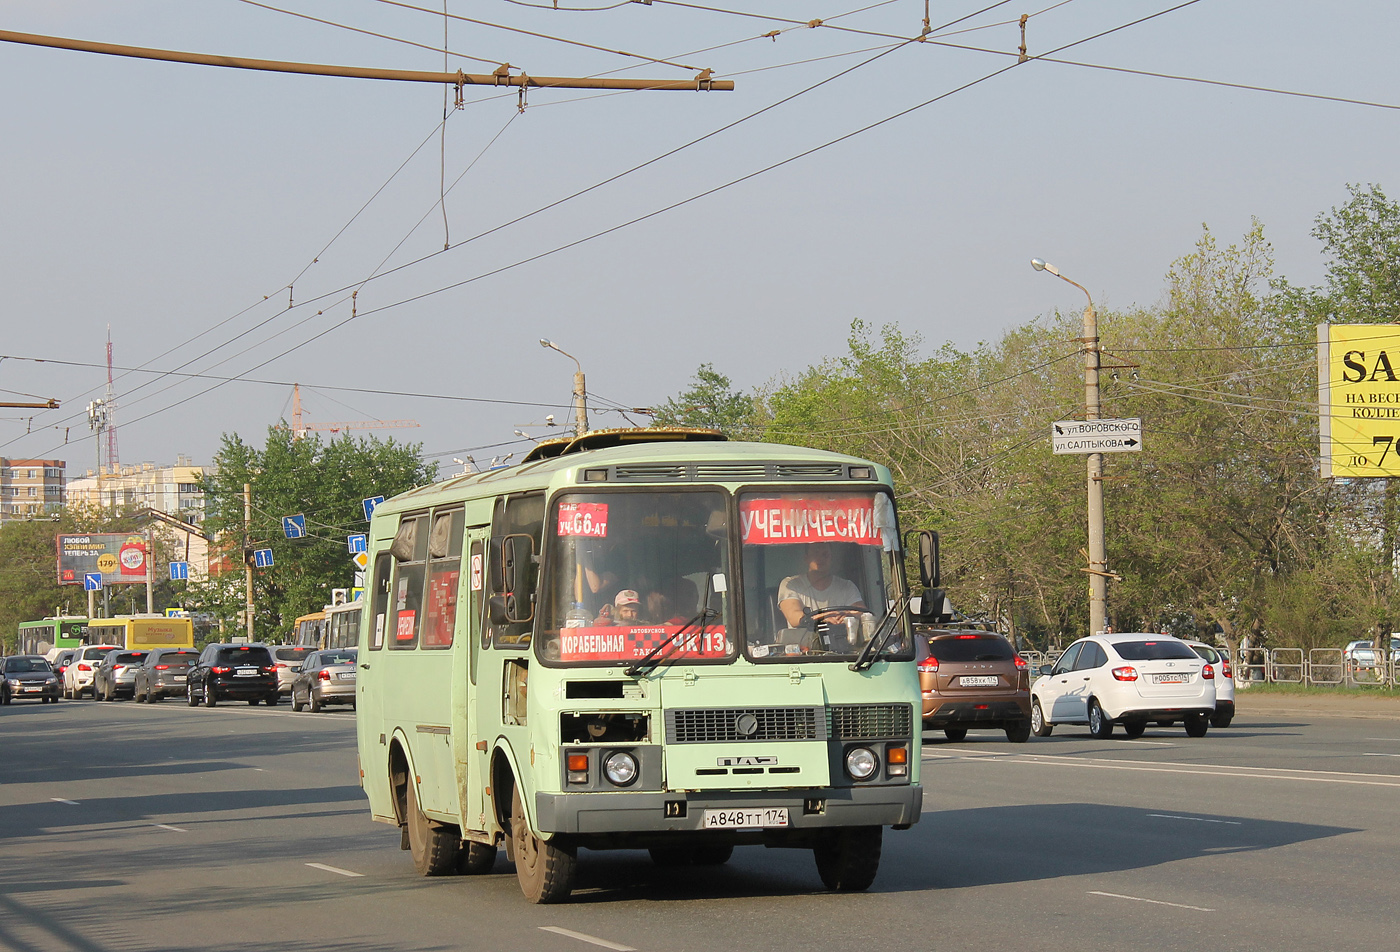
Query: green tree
{"points": [[325, 482], [710, 401]]}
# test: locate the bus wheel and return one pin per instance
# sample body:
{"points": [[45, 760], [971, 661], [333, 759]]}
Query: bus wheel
{"points": [[545, 869], [434, 848], [848, 859], [475, 858]]}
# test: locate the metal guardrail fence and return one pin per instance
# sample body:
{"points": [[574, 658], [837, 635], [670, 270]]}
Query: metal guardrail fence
{"points": [[1315, 667]]}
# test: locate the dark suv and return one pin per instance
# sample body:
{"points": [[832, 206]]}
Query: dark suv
{"points": [[163, 673], [232, 673], [973, 679]]}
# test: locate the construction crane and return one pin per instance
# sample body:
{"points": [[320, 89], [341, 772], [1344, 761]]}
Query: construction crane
{"points": [[300, 429]]}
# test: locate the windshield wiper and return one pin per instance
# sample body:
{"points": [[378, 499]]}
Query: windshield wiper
{"points": [[653, 658], [876, 644]]}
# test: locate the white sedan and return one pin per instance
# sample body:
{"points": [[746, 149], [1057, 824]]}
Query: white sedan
{"points": [[1128, 679]]}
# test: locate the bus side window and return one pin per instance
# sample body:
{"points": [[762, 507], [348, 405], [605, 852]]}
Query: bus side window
{"points": [[406, 611], [516, 515], [379, 599], [444, 572]]}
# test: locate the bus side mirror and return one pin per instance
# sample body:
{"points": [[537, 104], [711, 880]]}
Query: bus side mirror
{"points": [[930, 574]]}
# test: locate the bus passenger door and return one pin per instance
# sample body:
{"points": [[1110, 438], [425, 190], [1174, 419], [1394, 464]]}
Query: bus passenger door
{"points": [[474, 761], [370, 684]]}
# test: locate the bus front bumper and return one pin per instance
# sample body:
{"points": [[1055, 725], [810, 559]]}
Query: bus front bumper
{"points": [[656, 811]]}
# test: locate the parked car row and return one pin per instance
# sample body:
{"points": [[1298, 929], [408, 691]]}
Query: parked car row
{"points": [[255, 673], [974, 679]]}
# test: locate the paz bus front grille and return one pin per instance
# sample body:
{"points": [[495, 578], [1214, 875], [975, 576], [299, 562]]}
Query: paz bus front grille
{"points": [[708, 725], [866, 721]]}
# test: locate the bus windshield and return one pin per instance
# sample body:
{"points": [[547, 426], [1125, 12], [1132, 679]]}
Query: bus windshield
{"points": [[629, 570], [820, 572]]}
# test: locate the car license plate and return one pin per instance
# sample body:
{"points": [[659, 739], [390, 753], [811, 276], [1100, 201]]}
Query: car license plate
{"points": [[246, 673], [764, 818], [177, 677], [979, 681], [346, 675], [1171, 678]]}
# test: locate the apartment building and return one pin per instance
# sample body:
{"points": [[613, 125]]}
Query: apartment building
{"points": [[31, 488], [173, 490]]}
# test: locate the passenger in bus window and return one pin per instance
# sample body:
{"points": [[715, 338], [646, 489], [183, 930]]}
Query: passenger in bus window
{"points": [[600, 573], [807, 596], [626, 610]]}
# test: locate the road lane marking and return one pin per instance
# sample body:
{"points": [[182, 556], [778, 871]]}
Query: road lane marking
{"points": [[71, 803], [1198, 819], [166, 826], [1203, 770], [592, 939], [334, 869], [1380, 755], [1155, 902]]}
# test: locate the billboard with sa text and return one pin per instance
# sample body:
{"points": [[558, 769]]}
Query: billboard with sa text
{"points": [[120, 557], [1358, 385]]}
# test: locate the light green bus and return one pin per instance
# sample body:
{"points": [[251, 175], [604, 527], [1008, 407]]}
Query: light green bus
{"points": [[52, 634], [642, 639]]}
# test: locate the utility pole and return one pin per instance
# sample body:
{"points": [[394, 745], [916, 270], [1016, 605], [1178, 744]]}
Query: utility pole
{"points": [[580, 390], [150, 571], [1098, 562], [247, 565]]}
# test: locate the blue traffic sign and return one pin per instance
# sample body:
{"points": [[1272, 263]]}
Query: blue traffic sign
{"points": [[370, 505], [294, 526], [357, 543], [179, 571], [262, 558], [92, 581]]}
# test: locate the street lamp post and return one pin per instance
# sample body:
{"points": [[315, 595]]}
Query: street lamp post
{"points": [[1098, 563], [580, 391]]}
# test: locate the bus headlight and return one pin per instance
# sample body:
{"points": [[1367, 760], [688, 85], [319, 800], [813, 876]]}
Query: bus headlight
{"points": [[861, 763], [620, 768]]}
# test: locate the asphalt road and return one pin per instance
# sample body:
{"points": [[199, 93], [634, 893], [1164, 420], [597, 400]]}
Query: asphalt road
{"points": [[133, 827]]}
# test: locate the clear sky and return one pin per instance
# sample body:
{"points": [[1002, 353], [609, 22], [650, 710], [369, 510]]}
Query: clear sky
{"points": [[184, 205]]}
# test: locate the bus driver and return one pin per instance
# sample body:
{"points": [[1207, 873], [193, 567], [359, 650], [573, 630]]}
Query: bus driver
{"points": [[808, 595]]}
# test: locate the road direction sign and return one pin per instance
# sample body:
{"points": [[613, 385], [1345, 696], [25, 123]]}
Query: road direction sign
{"points": [[1096, 436], [179, 571], [357, 543], [361, 559], [92, 581], [294, 526], [262, 558], [369, 505]]}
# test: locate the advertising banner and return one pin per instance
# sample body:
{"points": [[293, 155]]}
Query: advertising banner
{"points": [[1358, 386], [628, 643], [119, 558], [788, 520]]}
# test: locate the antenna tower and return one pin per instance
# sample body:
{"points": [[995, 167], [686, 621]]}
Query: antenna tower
{"points": [[112, 462]]}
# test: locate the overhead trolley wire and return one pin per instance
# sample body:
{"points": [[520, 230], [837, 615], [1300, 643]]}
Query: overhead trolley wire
{"points": [[379, 36], [693, 198], [532, 33]]}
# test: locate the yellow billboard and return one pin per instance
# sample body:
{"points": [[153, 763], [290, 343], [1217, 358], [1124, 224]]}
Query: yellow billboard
{"points": [[1358, 390]]}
